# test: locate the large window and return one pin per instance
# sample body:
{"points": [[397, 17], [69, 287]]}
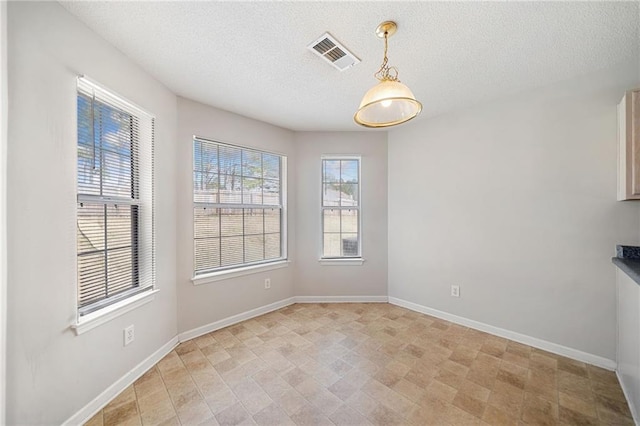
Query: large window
{"points": [[238, 206], [115, 198], [340, 207]]}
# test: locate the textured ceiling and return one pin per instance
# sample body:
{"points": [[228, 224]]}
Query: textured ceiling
{"points": [[251, 58]]}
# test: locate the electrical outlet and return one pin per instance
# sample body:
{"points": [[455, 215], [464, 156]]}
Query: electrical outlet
{"points": [[267, 283], [455, 291], [129, 335]]}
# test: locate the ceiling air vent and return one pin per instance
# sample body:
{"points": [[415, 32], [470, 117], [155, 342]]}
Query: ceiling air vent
{"points": [[333, 52]]}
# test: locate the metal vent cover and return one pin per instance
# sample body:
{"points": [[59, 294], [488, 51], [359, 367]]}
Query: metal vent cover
{"points": [[332, 51]]}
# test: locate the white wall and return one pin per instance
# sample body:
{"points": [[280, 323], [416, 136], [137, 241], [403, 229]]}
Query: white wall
{"points": [[52, 373], [203, 304], [312, 278], [514, 201]]}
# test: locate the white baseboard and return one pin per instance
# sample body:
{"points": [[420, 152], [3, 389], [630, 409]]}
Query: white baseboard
{"points": [[511, 335], [125, 381], [341, 299], [89, 410], [632, 407], [103, 399], [226, 322]]}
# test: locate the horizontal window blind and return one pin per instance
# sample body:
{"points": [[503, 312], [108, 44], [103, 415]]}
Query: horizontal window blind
{"points": [[238, 206], [115, 234], [340, 207]]}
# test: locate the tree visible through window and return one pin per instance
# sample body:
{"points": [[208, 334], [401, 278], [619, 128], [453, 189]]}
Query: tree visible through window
{"points": [[238, 206], [109, 201], [340, 207]]}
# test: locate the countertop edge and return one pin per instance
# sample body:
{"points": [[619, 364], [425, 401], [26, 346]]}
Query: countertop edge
{"points": [[631, 267]]}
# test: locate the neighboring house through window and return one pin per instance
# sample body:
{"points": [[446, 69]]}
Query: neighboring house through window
{"points": [[115, 237], [238, 206], [341, 207]]}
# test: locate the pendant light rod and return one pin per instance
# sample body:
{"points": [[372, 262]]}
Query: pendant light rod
{"points": [[390, 102], [386, 73]]}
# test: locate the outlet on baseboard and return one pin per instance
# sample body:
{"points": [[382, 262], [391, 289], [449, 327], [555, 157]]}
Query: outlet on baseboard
{"points": [[455, 291], [267, 283], [129, 335]]}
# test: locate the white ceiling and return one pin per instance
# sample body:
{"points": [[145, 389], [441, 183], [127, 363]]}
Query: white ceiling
{"points": [[251, 57]]}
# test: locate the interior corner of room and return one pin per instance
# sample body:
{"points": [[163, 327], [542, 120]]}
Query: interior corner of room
{"points": [[495, 208]]}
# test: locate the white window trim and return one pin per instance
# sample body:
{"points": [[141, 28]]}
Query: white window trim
{"points": [[346, 261], [114, 97], [101, 316], [341, 261], [238, 272], [105, 314], [243, 269]]}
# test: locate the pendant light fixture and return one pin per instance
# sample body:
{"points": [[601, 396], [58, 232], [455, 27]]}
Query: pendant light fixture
{"points": [[389, 102]]}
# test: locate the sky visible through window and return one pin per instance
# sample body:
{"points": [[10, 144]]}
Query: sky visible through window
{"points": [[238, 206], [107, 229], [340, 212]]}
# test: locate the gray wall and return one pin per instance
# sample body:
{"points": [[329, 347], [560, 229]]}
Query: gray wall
{"points": [[514, 201], [203, 304], [312, 278], [52, 373], [3, 208]]}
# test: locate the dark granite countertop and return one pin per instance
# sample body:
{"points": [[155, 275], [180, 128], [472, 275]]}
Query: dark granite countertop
{"points": [[628, 260]]}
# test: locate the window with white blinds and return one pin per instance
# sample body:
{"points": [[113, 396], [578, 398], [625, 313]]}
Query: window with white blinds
{"points": [[115, 235], [341, 207], [238, 206]]}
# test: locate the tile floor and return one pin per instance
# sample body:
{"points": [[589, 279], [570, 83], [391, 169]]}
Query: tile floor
{"points": [[362, 364]]}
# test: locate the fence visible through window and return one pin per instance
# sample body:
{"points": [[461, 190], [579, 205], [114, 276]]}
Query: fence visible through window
{"points": [[340, 207], [238, 206]]}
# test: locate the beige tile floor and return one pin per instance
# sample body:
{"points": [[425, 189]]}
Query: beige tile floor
{"points": [[363, 364]]}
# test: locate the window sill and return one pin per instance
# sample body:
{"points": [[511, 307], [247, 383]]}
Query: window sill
{"points": [[238, 272], [353, 261], [94, 319]]}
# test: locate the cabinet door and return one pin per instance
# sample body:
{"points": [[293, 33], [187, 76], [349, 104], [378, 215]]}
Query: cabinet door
{"points": [[628, 341], [629, 146]]}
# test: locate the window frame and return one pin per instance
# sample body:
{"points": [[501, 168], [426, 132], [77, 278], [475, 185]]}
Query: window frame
{"points": [[341, 260], [230, 271], [142, 235]]}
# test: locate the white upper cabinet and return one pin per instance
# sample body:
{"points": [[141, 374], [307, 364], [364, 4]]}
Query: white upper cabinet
{"points": [[629, 146]]}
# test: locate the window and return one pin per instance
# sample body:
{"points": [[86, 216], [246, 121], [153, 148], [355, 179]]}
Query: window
{"points": [[340, 207], [238, 206], [115, 198]]}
